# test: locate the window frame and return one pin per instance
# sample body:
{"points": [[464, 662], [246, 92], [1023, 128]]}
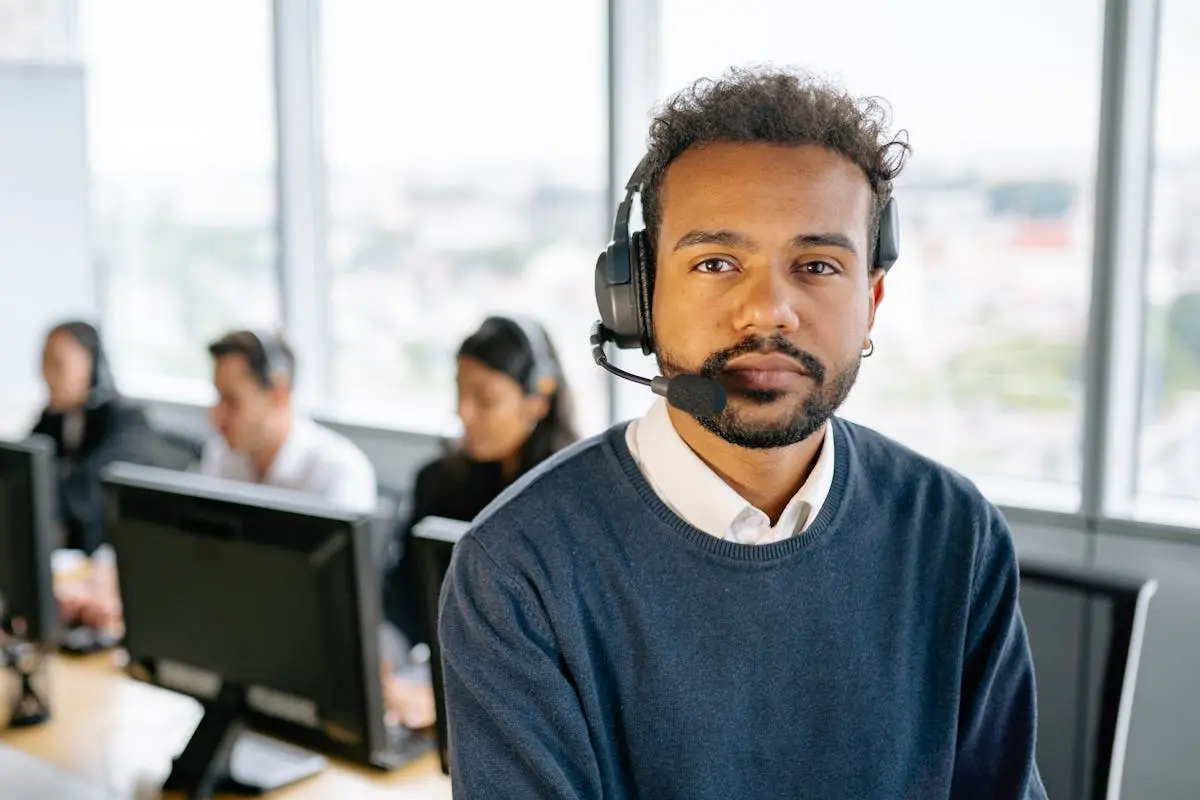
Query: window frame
{"points": [[1115, 345]]}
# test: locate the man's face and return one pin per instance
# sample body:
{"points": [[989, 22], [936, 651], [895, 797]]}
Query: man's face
{"points": [[762, 283], [244, 407]]}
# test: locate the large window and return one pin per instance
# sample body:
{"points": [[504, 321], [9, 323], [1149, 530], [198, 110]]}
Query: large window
{"points": [[980, 338], [37, 30], [1169, 465], [466, 147], [181, 141]]}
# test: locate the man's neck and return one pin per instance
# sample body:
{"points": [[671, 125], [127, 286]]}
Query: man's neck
{"points": [[767, 479], [264, 458]]}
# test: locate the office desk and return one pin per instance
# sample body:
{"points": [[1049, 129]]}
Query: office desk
{"points": [[120, 735]]}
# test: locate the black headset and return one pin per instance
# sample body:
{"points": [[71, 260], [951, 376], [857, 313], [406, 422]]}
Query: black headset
{"points": [[275, 359], [537, 342], [624, 281]]}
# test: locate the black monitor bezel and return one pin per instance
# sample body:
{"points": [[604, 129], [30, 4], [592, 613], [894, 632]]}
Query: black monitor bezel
{"points": [[119, 480], [432, 539], [37, 453]]}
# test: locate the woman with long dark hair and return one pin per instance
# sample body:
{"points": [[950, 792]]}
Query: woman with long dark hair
{"points": [[516, 412], [90, 424]]}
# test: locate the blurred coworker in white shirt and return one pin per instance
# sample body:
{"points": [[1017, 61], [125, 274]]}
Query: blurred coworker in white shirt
{"points": [[264, 439]]}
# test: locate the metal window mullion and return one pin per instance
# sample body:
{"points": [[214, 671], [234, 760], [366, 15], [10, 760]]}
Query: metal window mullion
{"points": [[633, 88], [1115, 337], [300, 186]]}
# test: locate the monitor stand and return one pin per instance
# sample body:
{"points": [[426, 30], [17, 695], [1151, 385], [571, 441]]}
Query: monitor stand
{"points": [[25, 663], [223, 756]]}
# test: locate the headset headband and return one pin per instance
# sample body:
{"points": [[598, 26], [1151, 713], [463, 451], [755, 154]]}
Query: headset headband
{"points": [[275, 360], [543, 368]]}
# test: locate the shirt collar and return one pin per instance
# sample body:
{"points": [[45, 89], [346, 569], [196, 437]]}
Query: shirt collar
{"points": [[701, 497]]}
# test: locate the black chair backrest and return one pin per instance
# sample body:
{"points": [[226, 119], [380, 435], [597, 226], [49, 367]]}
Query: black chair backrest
{"points": [[1085, 630], [396, 502], [175, 450]]}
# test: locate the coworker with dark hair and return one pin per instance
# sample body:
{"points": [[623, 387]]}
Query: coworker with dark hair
{"points": [[761, 600], [91, 425], [264, 439], [516, 412]]}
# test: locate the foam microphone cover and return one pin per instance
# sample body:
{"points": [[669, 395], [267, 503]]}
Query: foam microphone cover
{"points": [[696, 395]]}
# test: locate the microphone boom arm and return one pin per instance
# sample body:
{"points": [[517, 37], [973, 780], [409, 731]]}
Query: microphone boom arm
{"points": [[598, 355], [659, 384]]}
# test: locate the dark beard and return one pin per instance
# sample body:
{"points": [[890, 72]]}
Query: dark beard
{"points": [[827, 395]]}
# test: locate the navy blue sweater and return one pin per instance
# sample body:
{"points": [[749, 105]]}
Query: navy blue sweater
{"points": [[595, 645]]}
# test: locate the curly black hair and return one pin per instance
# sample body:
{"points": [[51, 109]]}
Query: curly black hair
{"points": [[773, 106]]}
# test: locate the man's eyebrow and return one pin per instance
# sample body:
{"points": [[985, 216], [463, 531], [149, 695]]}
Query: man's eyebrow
{"points": [[728, 238], [723, 238], [825, 240]]}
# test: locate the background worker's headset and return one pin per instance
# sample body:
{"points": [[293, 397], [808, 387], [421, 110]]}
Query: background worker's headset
{"points": [[624, 287], [543, 372], [275, 359]]}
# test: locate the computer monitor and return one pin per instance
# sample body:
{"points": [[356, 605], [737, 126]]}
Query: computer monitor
{"points": [[27, 531], [432, 546], [1085, 633], [28, 615], [263, 605]]}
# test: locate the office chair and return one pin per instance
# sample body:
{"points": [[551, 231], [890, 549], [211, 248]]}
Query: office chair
{"points": [[1105, 701], [175, 449]]}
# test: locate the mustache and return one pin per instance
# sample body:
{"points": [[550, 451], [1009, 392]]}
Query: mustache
{"points": [[716, 363]]}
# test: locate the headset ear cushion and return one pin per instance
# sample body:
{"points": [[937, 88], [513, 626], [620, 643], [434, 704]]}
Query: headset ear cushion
{"points": [[644, 280]]}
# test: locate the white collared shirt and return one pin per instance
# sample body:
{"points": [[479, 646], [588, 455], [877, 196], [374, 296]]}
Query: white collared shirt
{"points": [[697, 494], [313, 460]]}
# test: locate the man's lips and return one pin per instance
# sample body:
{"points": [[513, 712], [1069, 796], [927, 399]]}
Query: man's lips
{"points": [[766, 371]]}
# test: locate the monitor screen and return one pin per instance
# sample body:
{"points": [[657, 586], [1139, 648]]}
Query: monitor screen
{"points": [[28, 520], [432, 547], [254, 599]]}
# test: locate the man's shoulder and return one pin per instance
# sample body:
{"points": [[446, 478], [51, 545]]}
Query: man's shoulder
{"points": [[945, 513], [876, 451], [336, 449], [898, 476]]}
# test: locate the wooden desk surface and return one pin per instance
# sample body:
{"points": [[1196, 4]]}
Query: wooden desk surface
{"points": [[120, 736]]}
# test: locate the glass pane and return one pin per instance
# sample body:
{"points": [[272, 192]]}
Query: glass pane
{"points": [[467, 159], [182, 148], [979, 342], [1168, 477], [38, 31]]}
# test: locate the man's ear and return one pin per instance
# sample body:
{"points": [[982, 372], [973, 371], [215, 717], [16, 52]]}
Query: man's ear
{"points": [[874, 295], [281, 390]]}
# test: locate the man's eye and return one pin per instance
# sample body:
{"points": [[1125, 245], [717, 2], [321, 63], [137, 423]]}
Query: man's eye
{"points": [[714, 265], [818, 268]]}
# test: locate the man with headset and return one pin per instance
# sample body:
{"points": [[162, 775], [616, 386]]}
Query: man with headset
{"points": [[264, 439], [740, 595]]}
